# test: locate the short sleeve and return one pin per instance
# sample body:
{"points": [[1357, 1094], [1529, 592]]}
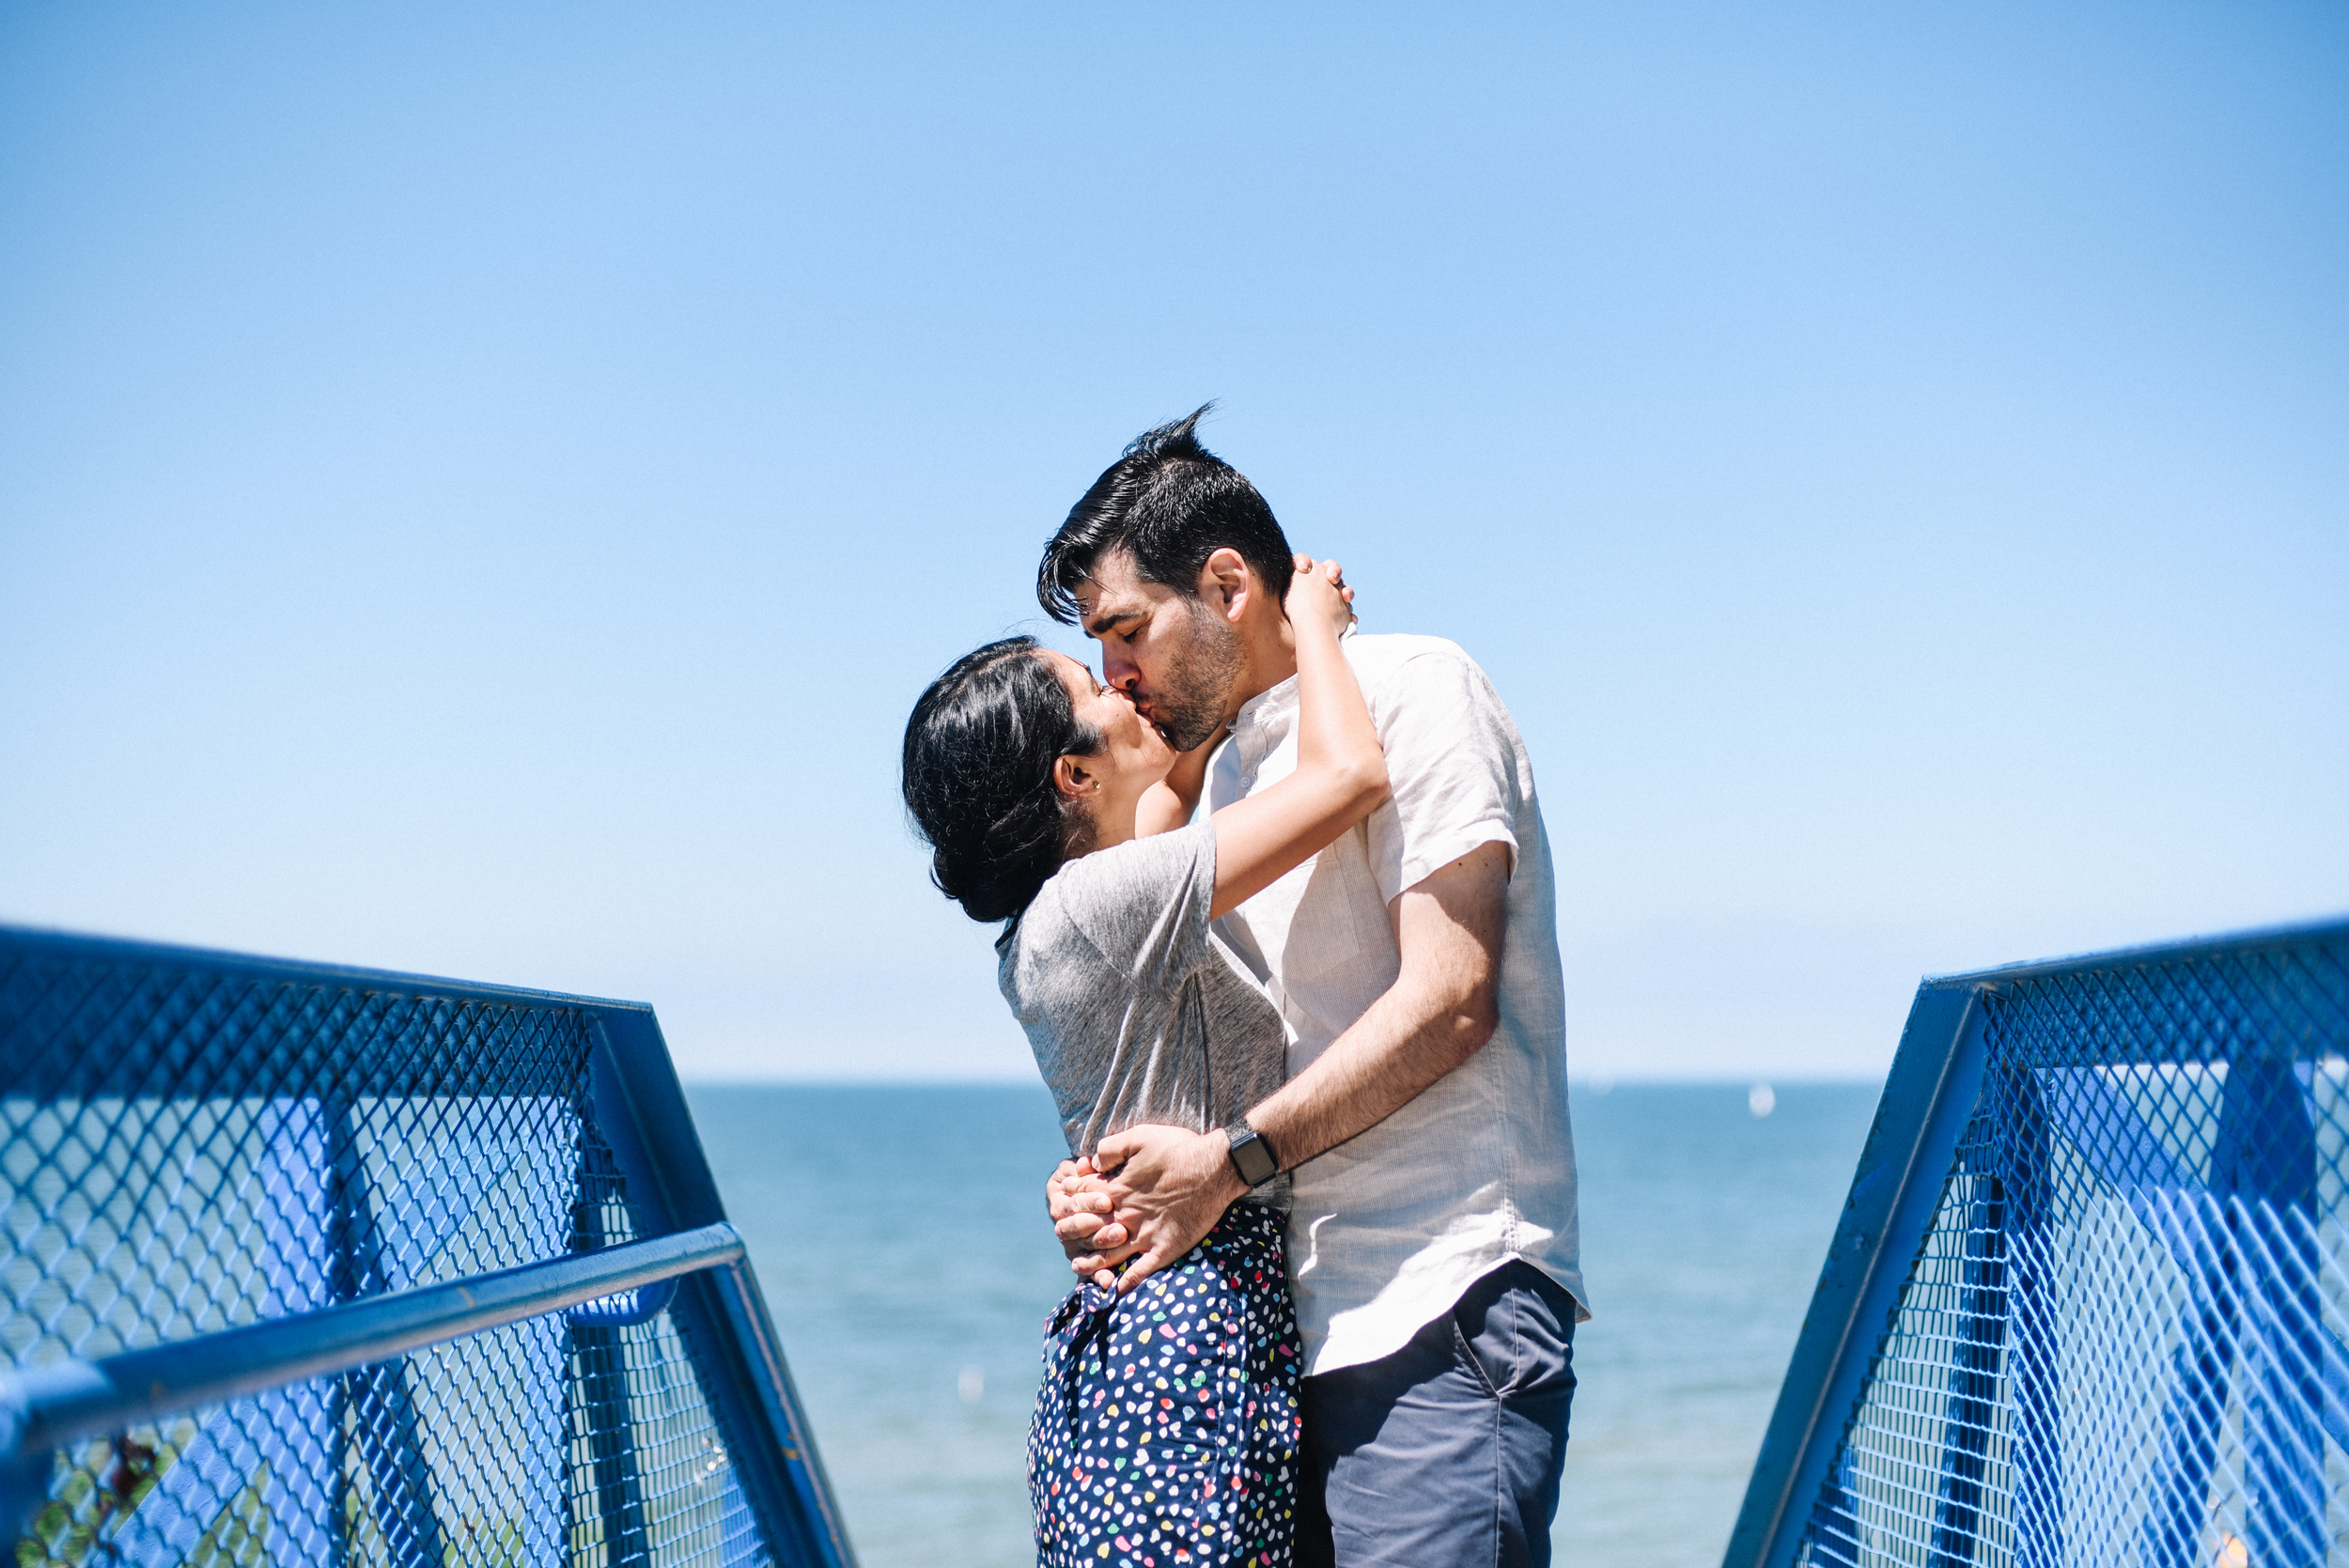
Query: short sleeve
{"points": [[1451, 770], [1143, 905]]}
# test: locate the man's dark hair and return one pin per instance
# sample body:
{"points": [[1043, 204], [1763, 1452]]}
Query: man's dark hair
{"points": [[1173, 503]]}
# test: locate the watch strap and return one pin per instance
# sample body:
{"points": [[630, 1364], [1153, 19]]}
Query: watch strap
{"points": [[1251, 1154]]}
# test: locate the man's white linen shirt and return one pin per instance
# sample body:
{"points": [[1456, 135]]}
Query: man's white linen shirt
{"points": [[1391, 1228]]}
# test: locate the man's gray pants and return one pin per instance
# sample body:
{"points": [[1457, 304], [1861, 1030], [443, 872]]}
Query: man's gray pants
{"points": [[1447, 1452]]}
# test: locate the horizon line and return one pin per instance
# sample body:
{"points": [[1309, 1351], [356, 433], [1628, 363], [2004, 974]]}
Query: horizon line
{"points": [[1574, 1080]]}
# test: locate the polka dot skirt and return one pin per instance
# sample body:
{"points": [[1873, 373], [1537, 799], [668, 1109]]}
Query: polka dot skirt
{"points": [[1166, 1431]]}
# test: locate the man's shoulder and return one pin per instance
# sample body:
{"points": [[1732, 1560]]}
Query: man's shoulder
{"points": [[1390, 655]]}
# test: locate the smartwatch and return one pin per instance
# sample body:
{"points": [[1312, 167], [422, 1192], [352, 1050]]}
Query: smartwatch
{"points": [[1251, 1157]]}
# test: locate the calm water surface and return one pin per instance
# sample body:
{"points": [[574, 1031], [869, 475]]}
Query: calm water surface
{"points": [[900, 1235]]}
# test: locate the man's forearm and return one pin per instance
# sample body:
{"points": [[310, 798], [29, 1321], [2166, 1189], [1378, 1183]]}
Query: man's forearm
{"points": [[1167, 1184], [1439, 1012], [1404, 1042]]}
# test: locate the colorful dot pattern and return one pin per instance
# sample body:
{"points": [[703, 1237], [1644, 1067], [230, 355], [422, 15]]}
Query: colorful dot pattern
{"points": [[1166, 1433]]}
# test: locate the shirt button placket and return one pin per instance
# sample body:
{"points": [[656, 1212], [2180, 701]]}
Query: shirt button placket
{"points": [[1251, 739]]}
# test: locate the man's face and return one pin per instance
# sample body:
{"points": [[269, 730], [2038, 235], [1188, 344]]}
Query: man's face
{"points": [[1175, 656]]}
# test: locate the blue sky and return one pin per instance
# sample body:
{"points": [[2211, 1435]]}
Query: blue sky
{"points": [[481, 486]]}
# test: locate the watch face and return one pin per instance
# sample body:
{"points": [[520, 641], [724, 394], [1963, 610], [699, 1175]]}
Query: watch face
{"points": [[1253, 1161]]}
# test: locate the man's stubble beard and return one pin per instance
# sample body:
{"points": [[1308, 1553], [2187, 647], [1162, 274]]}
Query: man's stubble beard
{"points": [[1191, 703]]}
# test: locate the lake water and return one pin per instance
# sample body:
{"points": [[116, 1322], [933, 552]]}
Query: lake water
{"points": [[899, 1237]]}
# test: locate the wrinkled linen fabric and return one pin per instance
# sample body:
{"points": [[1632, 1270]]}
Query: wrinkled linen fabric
{"points": [[1392, 1227]]}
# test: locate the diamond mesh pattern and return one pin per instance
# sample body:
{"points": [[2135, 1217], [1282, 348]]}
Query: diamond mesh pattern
{"points": [[185, 1148], [2121, 1341]]}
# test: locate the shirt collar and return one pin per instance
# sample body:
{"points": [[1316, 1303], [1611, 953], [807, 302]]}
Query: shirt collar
{"points": [[1274, 702], [1268, 706]]}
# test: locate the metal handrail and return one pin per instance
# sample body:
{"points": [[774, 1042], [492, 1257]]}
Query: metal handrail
{"points": [[44, 1407], [1933, 1084], [1932, 1088], [636, 1108]]}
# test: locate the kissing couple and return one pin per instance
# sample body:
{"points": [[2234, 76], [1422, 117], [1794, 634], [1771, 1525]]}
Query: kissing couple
{"points": [[1278, 917]]}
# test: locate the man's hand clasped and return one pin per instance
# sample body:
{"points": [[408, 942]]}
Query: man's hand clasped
{"points": [[1147, 1196]]}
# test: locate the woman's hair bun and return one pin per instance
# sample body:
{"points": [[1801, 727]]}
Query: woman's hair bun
{"points": [[977, 775]]}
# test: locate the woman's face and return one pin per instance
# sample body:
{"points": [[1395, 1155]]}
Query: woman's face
{"points": [[1133, 754]]}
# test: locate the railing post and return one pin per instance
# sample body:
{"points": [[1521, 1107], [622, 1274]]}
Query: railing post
{"points": [[381, 1407], [2265, 1162], [599, 1388], [2033, 1370], [295, 1447], [1973, 1395], [303, 1490], [2201, 1370]]}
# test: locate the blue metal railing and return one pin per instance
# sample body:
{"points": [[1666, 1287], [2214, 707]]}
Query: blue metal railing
{"points": [[2089, 1299], [47, 1407], [314, 1265]]}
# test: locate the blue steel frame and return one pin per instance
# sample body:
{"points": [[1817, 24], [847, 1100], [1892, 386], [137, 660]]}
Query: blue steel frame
{"points": [[690, 1263], [1933, 1090], [48, 1406]]}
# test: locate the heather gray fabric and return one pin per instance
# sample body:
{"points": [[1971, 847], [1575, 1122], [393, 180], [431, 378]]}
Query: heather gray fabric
{"points": [[1134, 1007]]}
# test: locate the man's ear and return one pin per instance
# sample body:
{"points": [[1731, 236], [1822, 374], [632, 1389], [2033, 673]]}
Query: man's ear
{"points": [[1071, 778], [1226, 582]]}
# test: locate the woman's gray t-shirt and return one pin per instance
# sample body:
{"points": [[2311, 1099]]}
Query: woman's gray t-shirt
{"points": [[1134, 1007]]}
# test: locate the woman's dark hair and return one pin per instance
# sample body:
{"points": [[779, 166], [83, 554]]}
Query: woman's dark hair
{"points": [[1173, 503], [977, 777]]}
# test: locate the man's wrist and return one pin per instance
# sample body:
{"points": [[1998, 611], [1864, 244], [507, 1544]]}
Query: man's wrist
{"points": [[1233, 1188], [1228, 1185], [1253, 1158]]}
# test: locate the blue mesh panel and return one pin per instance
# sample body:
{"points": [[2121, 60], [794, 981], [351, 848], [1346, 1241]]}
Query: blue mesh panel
{"points": [[2121, 1340], [186, 1148]]}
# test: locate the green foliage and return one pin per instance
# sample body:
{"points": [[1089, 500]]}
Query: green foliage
{"points": [[104, 1483]]}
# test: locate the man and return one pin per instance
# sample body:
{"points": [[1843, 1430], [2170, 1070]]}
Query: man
{"points": [[1433, 1238]]}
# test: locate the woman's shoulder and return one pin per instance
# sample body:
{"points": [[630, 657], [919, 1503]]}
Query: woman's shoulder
{"points": [[1139, 866], [1113, 898]]}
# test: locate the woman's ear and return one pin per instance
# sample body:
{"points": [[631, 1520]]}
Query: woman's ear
{"points": [[1071, 778]]}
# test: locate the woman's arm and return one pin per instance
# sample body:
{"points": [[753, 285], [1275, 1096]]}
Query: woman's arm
{"points": [[1168, 804], [1341, 774]]}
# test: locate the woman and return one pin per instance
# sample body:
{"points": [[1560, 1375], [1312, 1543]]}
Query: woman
{"points": [[1166, 1431]]}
